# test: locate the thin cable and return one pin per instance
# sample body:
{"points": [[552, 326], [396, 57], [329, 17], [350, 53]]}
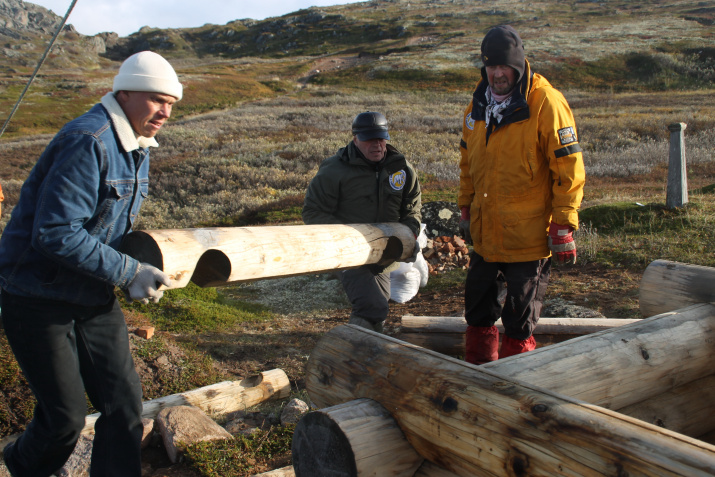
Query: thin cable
{"points": [[42, 60]]}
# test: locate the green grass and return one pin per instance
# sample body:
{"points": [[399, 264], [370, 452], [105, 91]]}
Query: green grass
{"points": [[242, 455], [193, 370], [196, 310], [631, 235], [448, 280]]}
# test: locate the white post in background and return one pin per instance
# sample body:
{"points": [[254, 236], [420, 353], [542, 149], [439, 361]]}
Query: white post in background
{"points": [[677, 192]]}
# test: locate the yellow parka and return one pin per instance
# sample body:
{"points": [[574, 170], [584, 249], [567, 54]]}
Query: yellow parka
{"points": [[520, 174]]}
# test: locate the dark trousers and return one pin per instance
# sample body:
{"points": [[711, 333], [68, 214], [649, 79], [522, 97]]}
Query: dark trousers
{"points": [[63, 351], [514, 291], [369, 293]]}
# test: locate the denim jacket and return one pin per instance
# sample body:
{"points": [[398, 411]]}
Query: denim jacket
{"points": [[76, 206]]}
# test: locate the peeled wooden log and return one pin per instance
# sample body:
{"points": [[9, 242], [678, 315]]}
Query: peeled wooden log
{"points": [[282, 472], [429, 469], [445, 334], [473, 421], [223, 255], [624, 365], [668, 286], [356, 438], [217, 399], [688, 409]]}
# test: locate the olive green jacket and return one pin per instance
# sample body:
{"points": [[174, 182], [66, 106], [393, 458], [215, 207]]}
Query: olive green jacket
{"points": [[348, 189]]}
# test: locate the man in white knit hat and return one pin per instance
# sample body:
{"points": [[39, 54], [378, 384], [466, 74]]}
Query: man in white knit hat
{"points": [[59, 266]]}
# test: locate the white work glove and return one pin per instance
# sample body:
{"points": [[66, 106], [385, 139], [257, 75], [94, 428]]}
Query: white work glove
{"points": [[415, 252], [146, 282]]}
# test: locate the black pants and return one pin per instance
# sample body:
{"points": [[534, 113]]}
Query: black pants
{"points": [[63, 350], [514, 291], [369, 293]]}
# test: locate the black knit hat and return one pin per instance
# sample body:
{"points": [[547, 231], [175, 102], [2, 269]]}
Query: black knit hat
{"points": [[502, 46]]}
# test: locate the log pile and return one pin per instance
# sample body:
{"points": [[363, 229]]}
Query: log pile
{"points": [[631, 400]]}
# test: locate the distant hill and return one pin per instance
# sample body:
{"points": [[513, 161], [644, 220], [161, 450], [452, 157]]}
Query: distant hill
{"points": [[442, 30], [376, 45]]}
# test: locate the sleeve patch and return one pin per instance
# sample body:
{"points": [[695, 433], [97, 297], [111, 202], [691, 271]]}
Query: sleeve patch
{"points": [[567, 135]]}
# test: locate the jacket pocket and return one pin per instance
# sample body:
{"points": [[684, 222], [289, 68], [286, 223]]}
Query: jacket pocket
{"points": [[116, 200], [525, 228]]}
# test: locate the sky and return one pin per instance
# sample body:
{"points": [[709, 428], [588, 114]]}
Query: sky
{"points": [[125, 17]]}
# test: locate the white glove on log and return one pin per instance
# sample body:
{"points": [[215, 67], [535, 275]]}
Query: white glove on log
{"points": [[145, 284], [415, 252]]}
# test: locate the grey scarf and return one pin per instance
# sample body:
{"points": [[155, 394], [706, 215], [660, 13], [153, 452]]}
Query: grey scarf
{"points": [[495, 108]]}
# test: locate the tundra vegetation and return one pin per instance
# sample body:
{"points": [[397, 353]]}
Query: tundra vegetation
{"points": [[266, 102]]}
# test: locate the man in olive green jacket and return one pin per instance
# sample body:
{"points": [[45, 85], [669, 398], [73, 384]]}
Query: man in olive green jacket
{"points": [[368, 181]]}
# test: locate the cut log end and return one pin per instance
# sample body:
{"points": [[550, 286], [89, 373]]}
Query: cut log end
{"points": [[141, 246], [321, 448]]}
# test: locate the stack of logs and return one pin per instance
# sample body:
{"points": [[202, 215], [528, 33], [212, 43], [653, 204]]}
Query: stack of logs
{"points": [[631, 400], [446, 253]]}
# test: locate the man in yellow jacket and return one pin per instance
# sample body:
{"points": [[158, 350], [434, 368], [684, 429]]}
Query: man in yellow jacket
{"points": [[521, 185]]}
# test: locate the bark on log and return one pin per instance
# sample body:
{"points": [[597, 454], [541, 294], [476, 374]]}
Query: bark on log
{"points": [[624, 365], [475, 422], [217, 399], [668, 286], [445, 334], [223, 255], [357, 438]]}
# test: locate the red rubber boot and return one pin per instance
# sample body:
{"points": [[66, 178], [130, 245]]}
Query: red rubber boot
{"points": [[481, 344], [510, 346]]}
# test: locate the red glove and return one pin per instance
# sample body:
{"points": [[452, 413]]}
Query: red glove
{"points": [[464, 225], [561, 243]]}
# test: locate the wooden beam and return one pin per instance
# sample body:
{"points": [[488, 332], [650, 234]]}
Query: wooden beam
{"points": [[217, 399], [429, 469], [445, 334], [224, 255], [476, 422], [624, 365], [668, 286], [688, 409], [282, 472], [352, 439]]}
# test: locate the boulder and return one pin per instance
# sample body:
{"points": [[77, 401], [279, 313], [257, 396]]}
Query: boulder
{"points": [[293, 411], [441, 218], [184, 425]]}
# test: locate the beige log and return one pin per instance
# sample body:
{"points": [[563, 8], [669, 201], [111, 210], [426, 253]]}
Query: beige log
{"points": [[282, 472], [429, 469], [688, 409], [473, 421], [223, 255], [445, 334], [356, 438], [624, 365], [218, 399], [668, 286]]}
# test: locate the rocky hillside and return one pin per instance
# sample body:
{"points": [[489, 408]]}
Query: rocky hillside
{"points": [[440, 31], [25, 32]]}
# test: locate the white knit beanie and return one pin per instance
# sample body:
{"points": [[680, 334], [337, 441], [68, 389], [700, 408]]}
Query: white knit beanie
{"points": [[149, 72]]}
